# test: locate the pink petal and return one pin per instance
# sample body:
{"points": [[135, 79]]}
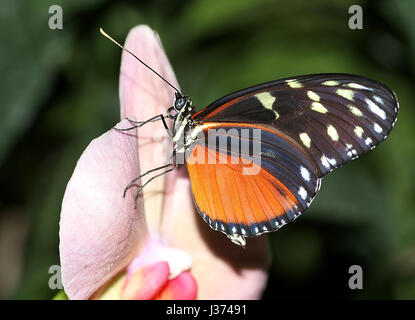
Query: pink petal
{"points": [[178, 260], [145, 95], [100, 232], [146, 282], [222, 269], [184, 287]]}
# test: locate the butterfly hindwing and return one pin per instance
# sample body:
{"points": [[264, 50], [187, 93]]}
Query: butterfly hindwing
{"points": [[249, 193]]}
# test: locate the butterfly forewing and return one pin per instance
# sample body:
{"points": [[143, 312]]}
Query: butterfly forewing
{"points": [[309, 126], [334, 117]]}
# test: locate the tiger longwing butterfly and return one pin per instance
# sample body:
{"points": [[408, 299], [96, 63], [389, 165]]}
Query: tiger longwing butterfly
{"points": [[308, 126]]}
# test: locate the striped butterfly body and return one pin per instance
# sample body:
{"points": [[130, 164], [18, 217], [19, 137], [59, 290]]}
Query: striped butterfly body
{"points": [[308, 126]]}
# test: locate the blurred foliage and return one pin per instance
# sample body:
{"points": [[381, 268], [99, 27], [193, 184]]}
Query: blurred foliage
{"points": [[59, 90], [61, 295]]}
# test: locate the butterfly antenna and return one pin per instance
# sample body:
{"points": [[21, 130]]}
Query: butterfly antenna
{"points": [[145, 64]]}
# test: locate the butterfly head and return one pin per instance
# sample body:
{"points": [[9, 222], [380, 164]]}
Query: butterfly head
{"points": [[182, 104]]}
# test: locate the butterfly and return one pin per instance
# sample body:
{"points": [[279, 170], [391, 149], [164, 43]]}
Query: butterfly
{"points": [[301, 129]]}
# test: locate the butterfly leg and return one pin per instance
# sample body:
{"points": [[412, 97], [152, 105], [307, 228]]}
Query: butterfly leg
{"points": [[142, 175], [137, 193], [139, 124]]}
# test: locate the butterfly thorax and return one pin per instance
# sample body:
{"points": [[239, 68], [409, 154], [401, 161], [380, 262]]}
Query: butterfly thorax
{"points": [[182, 126]]}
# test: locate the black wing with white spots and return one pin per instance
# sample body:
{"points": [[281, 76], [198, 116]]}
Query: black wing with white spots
{"points": [[334, 118]]}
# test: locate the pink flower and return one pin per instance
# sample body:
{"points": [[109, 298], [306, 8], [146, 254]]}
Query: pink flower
{"points": [[162, 249]]}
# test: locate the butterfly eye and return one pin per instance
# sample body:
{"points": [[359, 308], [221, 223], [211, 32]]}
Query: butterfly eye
{"points": [[180, 103]]}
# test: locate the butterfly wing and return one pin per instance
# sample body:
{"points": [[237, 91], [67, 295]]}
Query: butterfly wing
{"points": [[248, 194], [335, 117], [308, 125]]}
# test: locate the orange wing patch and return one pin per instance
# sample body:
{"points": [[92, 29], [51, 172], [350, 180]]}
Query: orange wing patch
{"points": [[234, 203]]}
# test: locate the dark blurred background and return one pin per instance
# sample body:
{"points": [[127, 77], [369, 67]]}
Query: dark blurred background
{"points": [[59, 90]]}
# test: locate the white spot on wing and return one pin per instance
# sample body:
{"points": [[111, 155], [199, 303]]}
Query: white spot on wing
{"points": [[375, 109], [358, 131], [377, 128], [330, 83], [324, 161], [345, 93], [305, 174], [294, 83], [332, 132], [302, 192], [357, 86], [348, 149], [305, 139], [332, 161], [355, 111], [368, 141], [378, 99], [267, 100], [313, 96], [317, 106]]}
